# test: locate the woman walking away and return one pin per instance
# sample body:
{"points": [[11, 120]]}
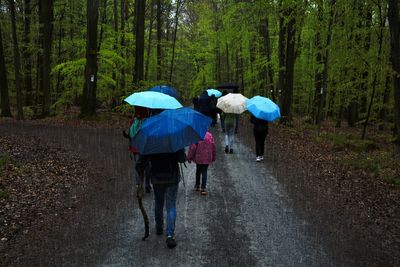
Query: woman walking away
{"points": [[203, 154], [230, 125], [260, 131]]}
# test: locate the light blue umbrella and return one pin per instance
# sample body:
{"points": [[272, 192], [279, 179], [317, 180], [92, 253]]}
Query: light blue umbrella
{"points": [[170, 131], [165, 89], [153, 100], [215, 92], [263, 108]]}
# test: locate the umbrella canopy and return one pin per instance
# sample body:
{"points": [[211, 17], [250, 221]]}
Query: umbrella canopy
{"points": [[232, 103], [165, 89], [214, 92], [170, 131], [153, 100], [263, 108]]}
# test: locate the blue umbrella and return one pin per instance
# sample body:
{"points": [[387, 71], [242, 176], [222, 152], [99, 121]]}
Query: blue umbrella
{"points": [[153, 100], [170, 131], [263, 108], [165, 89], [215, 92]]}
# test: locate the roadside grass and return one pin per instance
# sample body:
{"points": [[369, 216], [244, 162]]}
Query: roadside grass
{"points": [[343, 141], [4, 193], [395, 180]]}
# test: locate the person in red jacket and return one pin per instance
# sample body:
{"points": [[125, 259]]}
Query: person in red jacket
{"points": [[203, 154]]}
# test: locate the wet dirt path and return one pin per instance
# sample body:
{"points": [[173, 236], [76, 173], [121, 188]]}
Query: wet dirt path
{"points": [[246, 220]]}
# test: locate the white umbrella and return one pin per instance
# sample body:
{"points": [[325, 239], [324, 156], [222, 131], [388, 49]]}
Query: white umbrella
{"points": [[232, 103]]}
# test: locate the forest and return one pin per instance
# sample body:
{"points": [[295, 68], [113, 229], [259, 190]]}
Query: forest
{"points": [[318, 59]]}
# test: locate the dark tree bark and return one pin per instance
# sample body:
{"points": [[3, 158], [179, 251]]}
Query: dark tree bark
{"points": [[324, 88], [59, 51], [139, 30], [228, 66], [5, 101], [267, 71], [26, 54], [45, 30], [123, 51], [159, 37], [178, 6], [17, 60], [287, 93], [88, 107], [394, 26], [103, 22], [318, 71], [281, 54], [150, 39], [385, 98]]}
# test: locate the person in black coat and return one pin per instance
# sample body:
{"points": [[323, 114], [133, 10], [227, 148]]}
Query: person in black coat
{"points": [[165, 176], [205, 104], [260, 130]]}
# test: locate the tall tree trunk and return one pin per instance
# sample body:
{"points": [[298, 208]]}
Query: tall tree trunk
{"points": [[318, 72], [149, 43], [26, 54], [281, 55], [59, 51], [385, 98], [88, 106], [103, 22], [267, 71], [228, 66], [178, 6], [287, 93], [139, 55], [123, 51], [159, 36], [17, 60], [324, 88], [46, 29], [5, 101], [394, 26]]}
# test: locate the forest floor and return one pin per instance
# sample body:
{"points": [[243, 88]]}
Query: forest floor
{"points": [[353, 185]]}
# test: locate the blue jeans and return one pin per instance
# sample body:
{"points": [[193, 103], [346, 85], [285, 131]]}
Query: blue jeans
{"points": [[201, 170], [167, 193]]}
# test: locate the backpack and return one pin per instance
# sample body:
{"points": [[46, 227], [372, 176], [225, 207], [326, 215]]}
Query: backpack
{"points": [[133, 129]]}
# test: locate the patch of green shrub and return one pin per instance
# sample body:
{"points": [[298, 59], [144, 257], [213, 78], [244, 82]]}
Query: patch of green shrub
{"points": [[3, 160], [367, 164], [393, 180], [4, 193]]}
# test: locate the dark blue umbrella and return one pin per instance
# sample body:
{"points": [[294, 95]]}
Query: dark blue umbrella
{"points": [[170, 131], [165, 89]]}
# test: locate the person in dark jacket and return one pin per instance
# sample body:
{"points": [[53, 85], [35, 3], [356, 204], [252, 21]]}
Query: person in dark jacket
{"points": [[165, 176], [260, 130], [204, 103]]}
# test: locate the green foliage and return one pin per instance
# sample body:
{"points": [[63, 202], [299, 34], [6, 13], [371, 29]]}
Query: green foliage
{"points": [[4, 160], [4, 193], [348, 141], [395, 180]]}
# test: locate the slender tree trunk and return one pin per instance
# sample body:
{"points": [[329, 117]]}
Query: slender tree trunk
{"points": [[123, 51], [228, 67], [318, 73], [281, 55], [266, 51], [103, 22], [385, 98], [139, 55], [287, 94], [394, 26], [59, 50], [324, 88], [17, 60], [88, 107], [149, 43], [178, 6], [5, 101], [27, 55], [159, 36], [46, 29]]}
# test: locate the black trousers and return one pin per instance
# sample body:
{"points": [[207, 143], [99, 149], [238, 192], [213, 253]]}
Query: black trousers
{"points": [[260, 140]]}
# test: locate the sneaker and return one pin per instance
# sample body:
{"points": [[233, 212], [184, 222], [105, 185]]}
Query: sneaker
{"points": [[159, 230], [197, 188], [261, 157], [231, 151], [226, 149], [171, 243], [258, 158], [203, 192]]}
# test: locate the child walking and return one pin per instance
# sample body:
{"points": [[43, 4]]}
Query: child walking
{"points": [[203, 154]]}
